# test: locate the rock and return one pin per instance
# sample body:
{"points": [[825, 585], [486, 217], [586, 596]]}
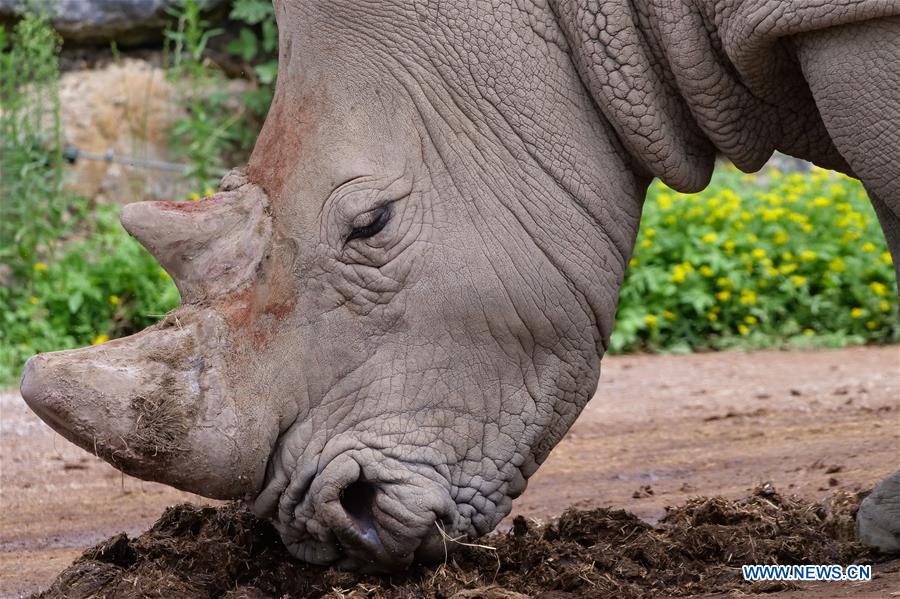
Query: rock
{"points": [[101, 21], [127, 108]]}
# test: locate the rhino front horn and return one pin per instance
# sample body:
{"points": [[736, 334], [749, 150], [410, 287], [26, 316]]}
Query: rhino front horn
{"points": [[209, 247]]}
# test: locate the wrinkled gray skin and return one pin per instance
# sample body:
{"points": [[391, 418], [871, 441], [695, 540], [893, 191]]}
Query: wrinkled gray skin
{"points": [[371, 393]]}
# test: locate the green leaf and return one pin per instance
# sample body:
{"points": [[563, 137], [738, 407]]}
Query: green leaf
{"points": [[267, 72], [251, 12], [75, 301], [245, 45]]}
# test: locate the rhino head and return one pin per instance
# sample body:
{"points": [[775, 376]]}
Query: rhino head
{"points": [[396, 310]]}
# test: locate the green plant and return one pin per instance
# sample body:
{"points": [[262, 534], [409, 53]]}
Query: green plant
{"points": [[213, 130], [204, 134], [758, 261], [257, 41], [69, 276], [98, 287], [34, 213]]}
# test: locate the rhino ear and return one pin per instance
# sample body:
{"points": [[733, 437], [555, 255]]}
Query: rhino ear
{"points": [[209, 247]]}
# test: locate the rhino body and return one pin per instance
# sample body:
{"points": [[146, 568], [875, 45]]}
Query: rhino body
{"points": [[393, 314]]}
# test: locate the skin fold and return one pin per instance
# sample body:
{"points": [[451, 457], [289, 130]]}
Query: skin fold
{"points": [[392, 315]]}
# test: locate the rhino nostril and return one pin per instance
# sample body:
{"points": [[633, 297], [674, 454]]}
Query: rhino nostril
{"points": [[357, 499]]}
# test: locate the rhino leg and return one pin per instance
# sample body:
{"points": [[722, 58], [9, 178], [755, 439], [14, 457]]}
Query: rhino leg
{"points": [[854, 74], [878, 521]]}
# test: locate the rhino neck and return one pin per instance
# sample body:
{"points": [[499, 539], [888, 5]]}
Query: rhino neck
{"points": [[513, 112], [684, 80]]}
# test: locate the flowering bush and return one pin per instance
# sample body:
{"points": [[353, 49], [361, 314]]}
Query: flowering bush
{"points": [[755, 261], [102, 286]]}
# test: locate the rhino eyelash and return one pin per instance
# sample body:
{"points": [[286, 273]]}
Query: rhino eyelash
{"points": [[380, 218]]}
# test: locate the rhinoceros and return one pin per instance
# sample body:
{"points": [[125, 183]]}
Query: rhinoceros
{"points": [[399, 306]]}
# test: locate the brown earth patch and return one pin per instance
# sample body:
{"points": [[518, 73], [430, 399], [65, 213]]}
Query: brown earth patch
{"points": [[696, 548], [660, 431]]}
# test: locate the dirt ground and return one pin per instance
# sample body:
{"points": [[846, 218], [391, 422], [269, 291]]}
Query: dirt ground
{"points": [[661, 430]]}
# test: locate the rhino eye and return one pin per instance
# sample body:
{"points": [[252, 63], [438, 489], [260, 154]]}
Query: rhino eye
{"points": [[375, 222]]}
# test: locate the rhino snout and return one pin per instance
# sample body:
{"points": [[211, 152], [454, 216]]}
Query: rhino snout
{"points": [[374, 516]]}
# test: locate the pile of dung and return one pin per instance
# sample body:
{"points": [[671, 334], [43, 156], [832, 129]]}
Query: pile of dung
{"points": [[696, 548]]}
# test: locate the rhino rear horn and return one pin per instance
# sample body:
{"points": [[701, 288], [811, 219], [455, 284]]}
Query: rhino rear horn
{"points": [[209, 247]]}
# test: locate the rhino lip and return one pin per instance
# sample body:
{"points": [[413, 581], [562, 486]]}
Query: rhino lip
{"points": [[349, 512]]}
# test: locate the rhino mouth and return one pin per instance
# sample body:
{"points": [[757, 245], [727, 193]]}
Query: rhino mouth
{"points": [[364, 510]]}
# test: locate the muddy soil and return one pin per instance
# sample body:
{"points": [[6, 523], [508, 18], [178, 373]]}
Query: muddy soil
{"points": [[696, 548], [661, 430]]}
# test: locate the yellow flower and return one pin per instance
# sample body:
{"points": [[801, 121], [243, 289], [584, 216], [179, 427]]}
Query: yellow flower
{"points": [[194, 196], [33, 300], [646, 243], [706, 271], [40, 266], [651, 320], [664, 200], [650, 232], [885, 306], [781, 238], [678, 274], [758, 253], [772, 214], [821, 202], [806, 228], [886, 257], [748, 297], [808, 332], [99, 339], [729, 246], [879, 289], [871, 325], [742, 329], [710, 238], [856, 312], [869, 247], [114, 300], [163, 274], [750, 319], [633, 262], [668, 315], [723, 296], [788, 268], [723, 282], [209, 191], [807, 255], [798, 280], [670, 220], [837, 265]]}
